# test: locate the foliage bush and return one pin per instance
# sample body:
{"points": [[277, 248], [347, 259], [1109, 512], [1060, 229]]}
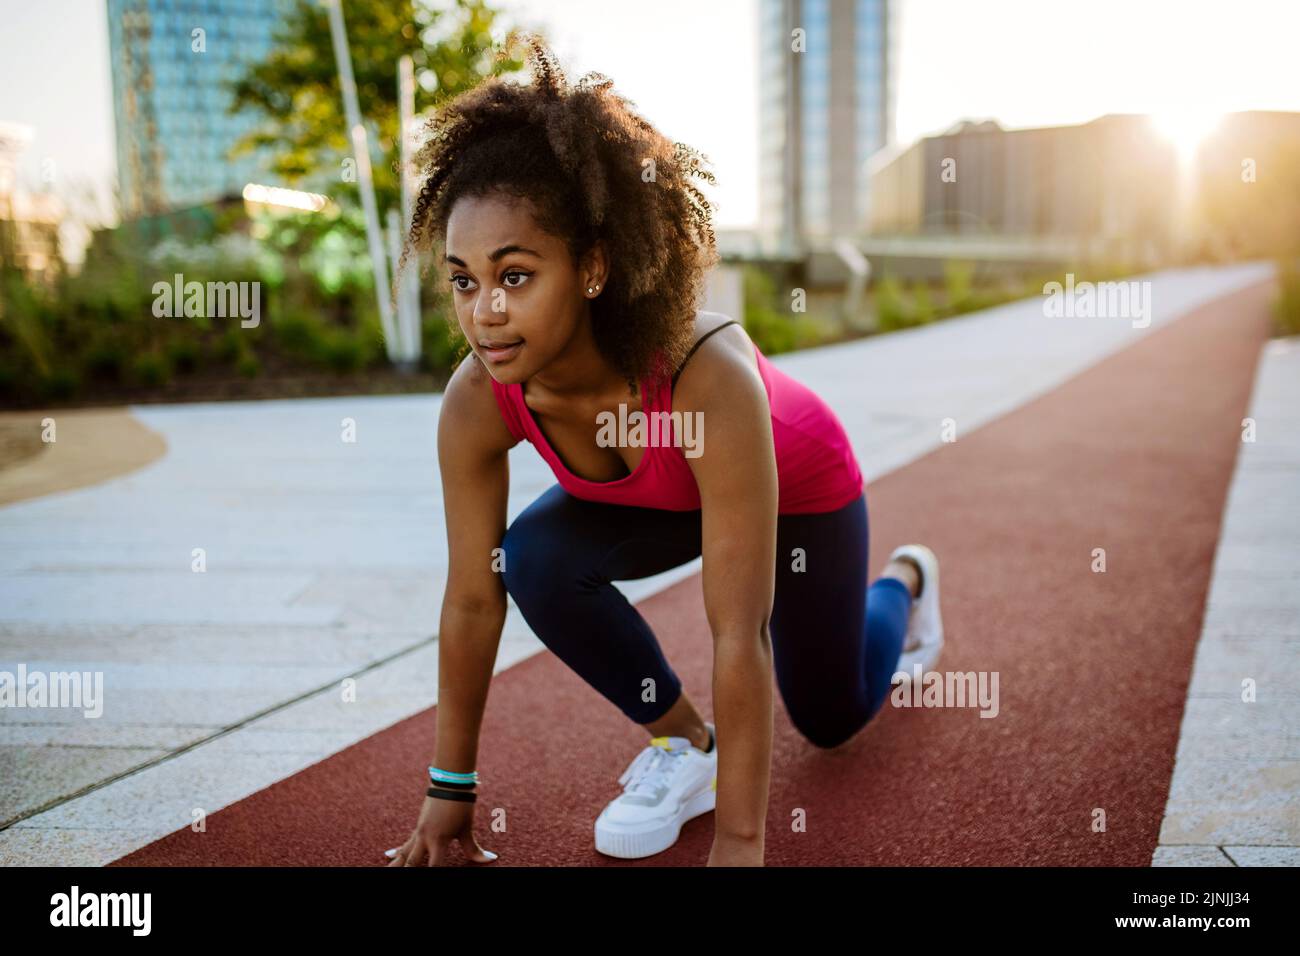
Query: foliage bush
{"points": [[151, 370], [1286, 308], [61, 383], [183, 355], [897, 308], [96, 333], [958, 286], [248, 365], [923, 310], [105, 358], [770, 319], [891, 309]]}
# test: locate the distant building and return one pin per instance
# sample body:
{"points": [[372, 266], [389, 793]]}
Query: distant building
{"points": [[1247, 187], [170, 97], [1111, 181], [29, 222], [824, 109], [192, 224], [1111, 188]]}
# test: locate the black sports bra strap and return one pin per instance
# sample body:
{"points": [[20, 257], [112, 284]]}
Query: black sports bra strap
{"points": [[698, 343]]}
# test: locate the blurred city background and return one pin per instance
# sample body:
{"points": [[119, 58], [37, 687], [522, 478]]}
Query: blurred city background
{"points": [[897, 171], [883, 167]]}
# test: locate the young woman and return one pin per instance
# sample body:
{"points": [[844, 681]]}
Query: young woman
{"points": [[575, 247]]}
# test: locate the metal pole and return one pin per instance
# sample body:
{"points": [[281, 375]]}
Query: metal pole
{"points": [[360, 149], [409, 293], [404, 358]]}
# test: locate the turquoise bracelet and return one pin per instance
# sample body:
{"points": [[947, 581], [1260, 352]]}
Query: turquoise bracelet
{"points": [[449, 776]]}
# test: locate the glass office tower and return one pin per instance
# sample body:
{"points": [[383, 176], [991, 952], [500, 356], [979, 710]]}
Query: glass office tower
{"points": [[170, 98], [824, 109]]}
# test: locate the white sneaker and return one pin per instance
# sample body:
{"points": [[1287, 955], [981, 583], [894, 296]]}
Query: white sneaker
{"points": [[925, 626], [670, 781]]}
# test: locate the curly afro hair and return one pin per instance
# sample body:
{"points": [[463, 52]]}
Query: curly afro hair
{"points": [[593, 170]]}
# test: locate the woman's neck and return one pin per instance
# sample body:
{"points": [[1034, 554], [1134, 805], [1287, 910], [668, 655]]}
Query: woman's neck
{"points": [[580, 373]]}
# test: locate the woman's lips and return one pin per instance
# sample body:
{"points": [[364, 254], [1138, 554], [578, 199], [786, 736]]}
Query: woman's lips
{"points": [[503, 354]]}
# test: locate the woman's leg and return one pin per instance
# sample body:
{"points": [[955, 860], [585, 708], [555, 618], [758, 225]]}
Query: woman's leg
{"points": [[561, 553], [835, 642]]}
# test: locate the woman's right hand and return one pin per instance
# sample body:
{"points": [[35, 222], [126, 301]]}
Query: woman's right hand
{"points": [[441, 822]]}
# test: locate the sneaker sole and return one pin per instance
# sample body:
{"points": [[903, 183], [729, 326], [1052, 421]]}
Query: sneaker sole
{"points": [[927, 652], [633, 844]]}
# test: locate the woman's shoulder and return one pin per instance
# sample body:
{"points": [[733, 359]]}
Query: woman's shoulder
{"points": [[718, 329], [707, 321], [718, 336], [476, 407], [722, 357]]}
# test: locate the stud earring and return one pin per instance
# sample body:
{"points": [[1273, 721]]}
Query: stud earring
{"points": [[591, 291]]}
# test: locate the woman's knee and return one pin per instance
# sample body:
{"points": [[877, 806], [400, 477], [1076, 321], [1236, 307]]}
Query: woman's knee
{"points": [[823, 735], [825, 728], [536, 561], [521, 558]]}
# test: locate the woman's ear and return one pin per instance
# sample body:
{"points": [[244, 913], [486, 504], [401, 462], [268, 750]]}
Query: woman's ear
{"points": [[594, 269]]}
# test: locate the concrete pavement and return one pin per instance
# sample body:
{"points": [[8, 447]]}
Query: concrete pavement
{"points": [[1235, 795]]}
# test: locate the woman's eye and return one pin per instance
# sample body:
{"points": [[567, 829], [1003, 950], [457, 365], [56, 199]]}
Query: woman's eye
{"points": [[456, 281]]}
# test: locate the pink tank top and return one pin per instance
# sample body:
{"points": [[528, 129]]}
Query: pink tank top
{"points": [[816, 468]]}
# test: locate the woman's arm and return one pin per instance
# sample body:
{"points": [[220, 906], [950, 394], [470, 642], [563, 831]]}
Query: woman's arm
{"points": [[737, 478], [473, 442]]}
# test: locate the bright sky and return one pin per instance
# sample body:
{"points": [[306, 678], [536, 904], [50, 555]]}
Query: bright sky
{"points": [[690, 67]]}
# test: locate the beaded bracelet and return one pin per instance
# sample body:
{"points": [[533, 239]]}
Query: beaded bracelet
{"points": [[452, 777]]}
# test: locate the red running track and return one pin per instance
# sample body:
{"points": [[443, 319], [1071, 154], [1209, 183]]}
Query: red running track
{"points": [[1134, 455]]}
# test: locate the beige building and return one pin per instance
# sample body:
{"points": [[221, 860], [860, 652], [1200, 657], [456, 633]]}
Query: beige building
{"points": [[1109, 187], [1246, 195], [1113, 188], [29, 222]]}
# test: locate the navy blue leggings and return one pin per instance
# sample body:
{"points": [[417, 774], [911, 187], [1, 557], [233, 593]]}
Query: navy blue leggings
{"points": [[835, 641]]}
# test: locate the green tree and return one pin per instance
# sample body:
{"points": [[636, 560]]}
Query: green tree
{"points": [[296, 88]]}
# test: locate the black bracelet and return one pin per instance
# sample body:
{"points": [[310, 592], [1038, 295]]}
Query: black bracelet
{"points": [[451, 795]]}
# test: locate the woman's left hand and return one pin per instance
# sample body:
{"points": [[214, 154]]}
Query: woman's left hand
{"points": [[734, 852]]}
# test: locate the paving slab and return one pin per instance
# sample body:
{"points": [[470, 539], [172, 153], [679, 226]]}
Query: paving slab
{"points": [[1236, 779]]}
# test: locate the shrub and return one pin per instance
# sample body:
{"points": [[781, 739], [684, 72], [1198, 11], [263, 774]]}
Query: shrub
{"points": [[958, 284], [104, 359], [891, 313], [1286, 309], [300, 335], [345, 352], [183, 354], [922, 310], [151, 369], [20, 323], [248, 365], [438, 348], [61, 383], [772, 330], [230, 347]]}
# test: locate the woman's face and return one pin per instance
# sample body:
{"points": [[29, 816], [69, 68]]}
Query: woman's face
{"points": [[518, 295]]}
